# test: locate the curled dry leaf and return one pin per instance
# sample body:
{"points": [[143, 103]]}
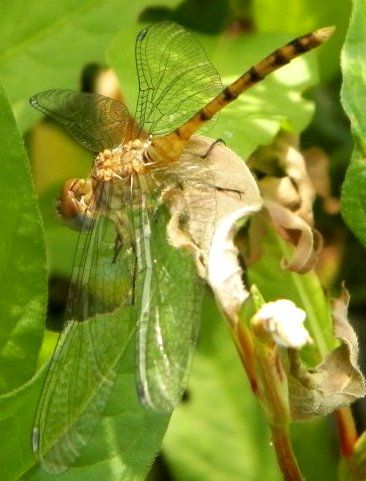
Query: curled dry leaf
{"points": [[291, 227], [288, 197], [280, 190], [293, 163], [204, 219], [337, 381], [284, 178], [317, 165]]}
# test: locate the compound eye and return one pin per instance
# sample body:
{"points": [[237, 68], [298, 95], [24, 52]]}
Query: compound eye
{"points": [[74, 204]]}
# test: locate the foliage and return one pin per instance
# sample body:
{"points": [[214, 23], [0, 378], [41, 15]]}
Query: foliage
{"points": [[219, 431], [353, 92]]}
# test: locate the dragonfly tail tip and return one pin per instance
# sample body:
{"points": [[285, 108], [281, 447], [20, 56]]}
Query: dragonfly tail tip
{"points": [[323, 34]]}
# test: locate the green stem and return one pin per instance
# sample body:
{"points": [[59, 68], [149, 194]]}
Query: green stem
{"points": [[347, 431], [285, 454], [263, 366]]}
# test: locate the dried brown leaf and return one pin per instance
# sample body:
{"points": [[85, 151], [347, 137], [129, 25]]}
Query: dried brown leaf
{"points": [[292, 228], [293, 163], [337, 381], [211, 209], [283, 163], [317, 165], [288, 196], [282, 191]]}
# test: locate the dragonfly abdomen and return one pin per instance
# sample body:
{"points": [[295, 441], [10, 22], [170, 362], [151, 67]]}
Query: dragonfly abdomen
{"points": [[255, 74]]}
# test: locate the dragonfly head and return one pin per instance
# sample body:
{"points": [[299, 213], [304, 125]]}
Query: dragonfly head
{"points": [[74, 205]]}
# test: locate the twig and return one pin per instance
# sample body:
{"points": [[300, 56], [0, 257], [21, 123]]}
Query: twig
{"points": [[347, 431], [269, 383], [285, 454]]}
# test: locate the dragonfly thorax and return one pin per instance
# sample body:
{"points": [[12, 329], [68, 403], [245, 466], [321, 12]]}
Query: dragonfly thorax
{"points": [[121, 162]]}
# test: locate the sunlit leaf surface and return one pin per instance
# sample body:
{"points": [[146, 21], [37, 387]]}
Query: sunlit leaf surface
{"points": [[22, 260]]}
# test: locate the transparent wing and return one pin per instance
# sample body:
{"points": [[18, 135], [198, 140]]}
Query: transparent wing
{"points": [[170, 291], [94, 121], [84, 366], [176, 78]]}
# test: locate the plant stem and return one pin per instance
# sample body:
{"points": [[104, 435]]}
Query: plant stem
{"points": [[347, 431], [272, 394], [285, 455], [245, 349]]}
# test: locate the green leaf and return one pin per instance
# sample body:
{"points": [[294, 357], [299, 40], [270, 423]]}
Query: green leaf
{"points": [[354, 70], [219, 433], [47, 47], [23, 292], [354, 196], [353, 99], [22, 260], [314, 440], [300, 17], [16, 419]]}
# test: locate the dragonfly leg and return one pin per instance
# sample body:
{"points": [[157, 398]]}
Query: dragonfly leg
{"points": [[218, 141]]}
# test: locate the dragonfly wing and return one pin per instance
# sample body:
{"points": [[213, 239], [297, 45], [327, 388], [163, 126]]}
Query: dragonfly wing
{"points": [[176, 79], [170, 291], [169, 317], [94, 121], [84, 366]]}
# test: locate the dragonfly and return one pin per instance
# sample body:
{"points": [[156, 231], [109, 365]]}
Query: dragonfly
{"points": [[126, 271]]}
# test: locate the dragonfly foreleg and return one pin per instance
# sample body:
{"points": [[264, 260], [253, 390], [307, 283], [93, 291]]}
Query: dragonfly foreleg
{"points": [[209, 150]]}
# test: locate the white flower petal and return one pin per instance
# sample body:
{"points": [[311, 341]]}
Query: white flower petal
{"points": [[284, 322]]}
